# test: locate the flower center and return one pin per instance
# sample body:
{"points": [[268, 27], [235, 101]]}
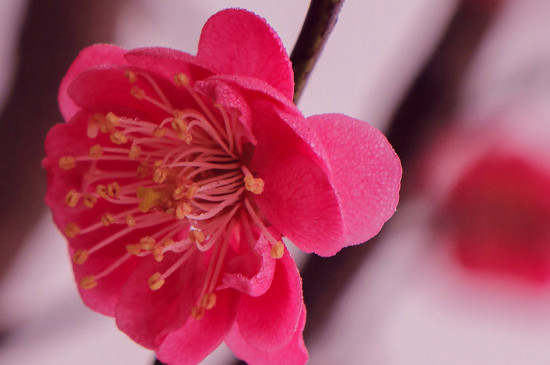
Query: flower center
{"points": [[179, 183]]}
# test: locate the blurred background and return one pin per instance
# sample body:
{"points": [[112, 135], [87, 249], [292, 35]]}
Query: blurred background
{"points": [[460, 274]]}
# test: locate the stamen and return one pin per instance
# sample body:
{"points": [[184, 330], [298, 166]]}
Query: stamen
{"points": [[107, 219], [156, 281], [137, 92], [80, 256], [130, 220], [95, 151], [88, 282], [72, 198], [67, 162], [118, 138], [278, 250], [135, 151], [131, 76], [89, 200], [71, 230], [254, 185], [181, 79]]}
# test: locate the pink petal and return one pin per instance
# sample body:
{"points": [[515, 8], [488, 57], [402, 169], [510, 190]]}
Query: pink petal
{"points": [[167, 62], [148, 316], [237, 42], [268, 322], [294, 352], [198, 338], [96, 55], [366, 173], [298, 198], [260, 282]]}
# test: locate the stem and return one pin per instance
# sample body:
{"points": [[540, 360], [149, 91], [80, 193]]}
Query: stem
{"points": [[320, 20]]}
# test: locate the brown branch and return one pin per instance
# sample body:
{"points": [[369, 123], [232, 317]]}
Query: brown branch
{"points": [[320, 20]]}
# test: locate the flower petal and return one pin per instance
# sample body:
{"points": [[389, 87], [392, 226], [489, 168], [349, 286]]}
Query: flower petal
{"points": [[298, 198], [260, 282], [294, 352], [148, 316], [238, 42], [268, 322], [96, 55], [197, 338], [365, 173], [167, 62]]}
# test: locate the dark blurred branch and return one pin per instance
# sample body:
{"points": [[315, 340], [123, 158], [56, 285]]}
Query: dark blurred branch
{"points": [[320, 20], [426, 107]]}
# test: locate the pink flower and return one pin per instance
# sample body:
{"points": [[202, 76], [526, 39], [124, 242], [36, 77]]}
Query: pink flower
{"points": [[499, 214], [176, 176]]}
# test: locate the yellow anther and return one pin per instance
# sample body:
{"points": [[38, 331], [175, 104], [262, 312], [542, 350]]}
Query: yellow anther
{"points": [[166, 242], [150, 198], [197, 312], [118, 137], [156, 281], [130, 220], [113, 189], [185, 136], [88, 282], [158, 253], [181, 79], [95, 151], [179, 192], [133, 248], [71, 230], [278, 250], [131, 76], [147, 243], [196, 236], [80, 257], [102, 191], [107, 219], [135, 151], [67, 162], [159, 132], [89, 200], [112, 120], [142, 170], [178, 125], [191, 191], [254, 185], [183, 210], [160, 174], [94, 123], [137, 92], [72, 198], [208, 301]]}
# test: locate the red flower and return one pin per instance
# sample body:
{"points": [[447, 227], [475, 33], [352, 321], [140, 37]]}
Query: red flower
{"points": [[176, 176], [499, 213]]}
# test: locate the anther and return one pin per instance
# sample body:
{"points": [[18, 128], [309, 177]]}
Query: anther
{"points": [[72, 198], [147, 243], [101, 190], [160, 174], [179, 193], [88, 282], [71, 230], [80, 257], [197, 312], [183, 210], [95, 151], [277, 250], [112, 119], [156, 281], [196, 236], [133, 248], [137, 92], [94, 123], [131, 76], [158, 253], [254, 185], [107, 219], [89, 200], [142, 170], [159, 132], [191, 191], [209, 300], [113, 189], [178, 125], [67, 162], [118, 137], [166, 242], [130, 220], [181, 79], [135, 151]]}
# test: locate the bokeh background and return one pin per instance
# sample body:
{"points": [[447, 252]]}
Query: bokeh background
{"points": [[461, 88]]}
